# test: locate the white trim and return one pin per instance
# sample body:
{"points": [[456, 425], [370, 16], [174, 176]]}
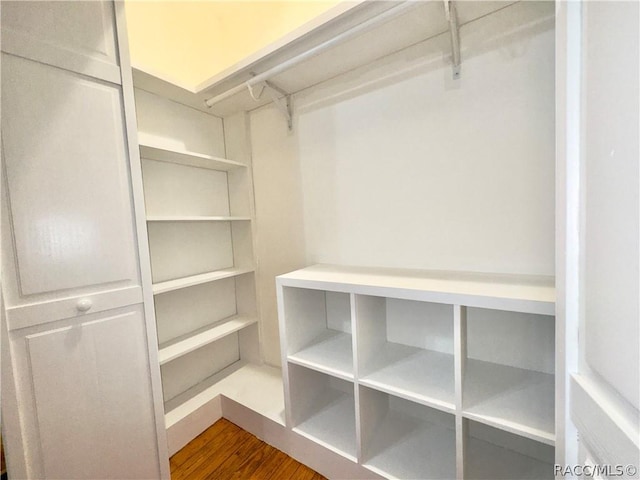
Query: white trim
{"points": [[143, 242]]}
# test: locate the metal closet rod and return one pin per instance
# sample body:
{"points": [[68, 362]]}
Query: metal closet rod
{"points": [[352, 32]]}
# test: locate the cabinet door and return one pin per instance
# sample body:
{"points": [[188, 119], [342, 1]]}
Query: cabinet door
{"points": [[600, 273], [84, 393], [83, 397]]}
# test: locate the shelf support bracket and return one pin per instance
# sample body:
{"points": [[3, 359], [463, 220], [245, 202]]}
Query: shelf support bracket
{"points": [[279, 97], [452, 18]]}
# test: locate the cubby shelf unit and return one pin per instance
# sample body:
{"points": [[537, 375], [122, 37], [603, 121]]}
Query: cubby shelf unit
{"points": [[431, 369]]}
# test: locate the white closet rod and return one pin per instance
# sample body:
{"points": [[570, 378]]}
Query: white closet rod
{"points": [[384, 16]]}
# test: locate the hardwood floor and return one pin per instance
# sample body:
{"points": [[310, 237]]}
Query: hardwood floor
{"points": [[226, 452]]}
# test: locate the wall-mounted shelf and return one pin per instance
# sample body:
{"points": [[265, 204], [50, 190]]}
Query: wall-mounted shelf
{"points": [[204, 336], [411, 337], [194, 218], [193, 280], [192, 159]]}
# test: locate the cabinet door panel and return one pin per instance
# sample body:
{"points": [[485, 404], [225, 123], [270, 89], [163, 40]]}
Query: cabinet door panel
{"points": [[91, 382], [75, 35], [68, 189]]}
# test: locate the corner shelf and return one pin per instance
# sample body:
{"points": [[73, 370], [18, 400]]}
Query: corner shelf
{"points": [[192, 280], [191, 159], [204, 336], [194, 218], [512, 399]]}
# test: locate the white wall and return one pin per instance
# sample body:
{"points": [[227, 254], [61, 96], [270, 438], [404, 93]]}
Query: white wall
{"points": [[402, 166], [279, 223], [437, 174]]}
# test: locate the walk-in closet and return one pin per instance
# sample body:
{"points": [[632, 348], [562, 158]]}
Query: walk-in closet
{"points": [[393, 239]]}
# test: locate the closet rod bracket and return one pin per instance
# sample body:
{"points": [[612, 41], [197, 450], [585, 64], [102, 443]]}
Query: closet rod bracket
{"points": [[454, 31], [279, 97]]}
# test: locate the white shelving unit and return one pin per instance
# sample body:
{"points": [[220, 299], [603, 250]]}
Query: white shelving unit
{"points": [[457, 364], [199, 220], [199, 279], [445, 387]]}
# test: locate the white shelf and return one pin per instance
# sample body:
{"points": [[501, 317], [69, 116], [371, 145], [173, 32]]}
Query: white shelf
{"points": [[238, 382], [403, 446], [517, 293], [419, 375], [486, 461], [191, 159], [204, 336], [330, 353], [512, 399], [333, 424], [192, 280], [187, 218]]}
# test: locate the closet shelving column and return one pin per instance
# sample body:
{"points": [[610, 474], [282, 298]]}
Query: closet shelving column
{"points": [[199, 219], [421, 375]]}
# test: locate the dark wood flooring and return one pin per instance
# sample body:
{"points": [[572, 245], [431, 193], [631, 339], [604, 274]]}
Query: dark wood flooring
{"points": [[226, 452]]}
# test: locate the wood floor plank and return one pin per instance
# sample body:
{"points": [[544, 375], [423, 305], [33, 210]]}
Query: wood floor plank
{"points": [[212, 454], [201, 440], [233, 462], [226, 452]]}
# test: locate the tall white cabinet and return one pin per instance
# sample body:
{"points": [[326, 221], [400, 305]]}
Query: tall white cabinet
{"points": [[80, 391]]}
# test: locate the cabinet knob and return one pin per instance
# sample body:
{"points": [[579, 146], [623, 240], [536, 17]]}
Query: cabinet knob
{"points": [[84, 305]]}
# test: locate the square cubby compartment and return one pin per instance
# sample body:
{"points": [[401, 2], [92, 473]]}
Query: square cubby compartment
{"points": [[323, 409], [492, 454], [509, 372], [404, 439], [318, 329], [406, 348]]}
